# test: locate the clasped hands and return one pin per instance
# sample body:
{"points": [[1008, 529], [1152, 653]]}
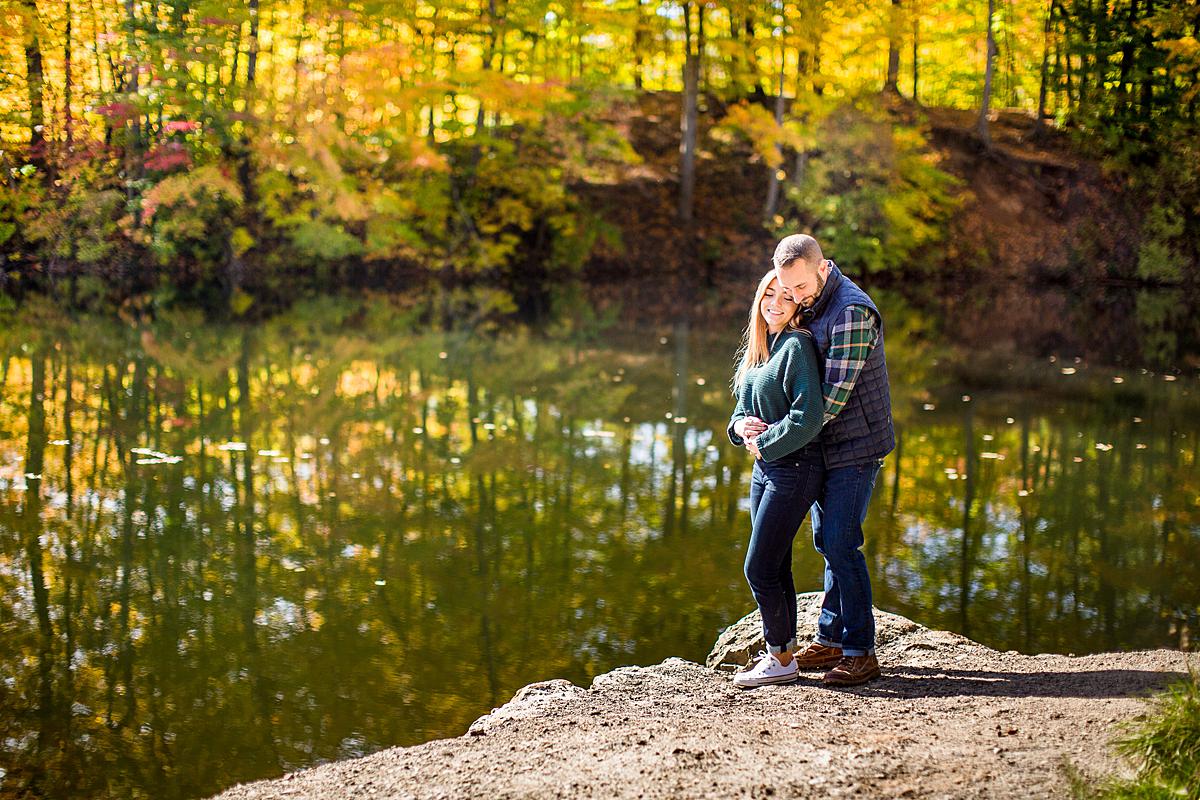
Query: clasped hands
{"points": [[749, 428]]}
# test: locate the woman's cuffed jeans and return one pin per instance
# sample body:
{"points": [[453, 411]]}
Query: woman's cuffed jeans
{"points": [[846, 620], [781, 493]]}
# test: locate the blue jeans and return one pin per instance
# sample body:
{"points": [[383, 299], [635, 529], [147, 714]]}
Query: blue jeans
{"points": [[781, 492], [846, 620]]}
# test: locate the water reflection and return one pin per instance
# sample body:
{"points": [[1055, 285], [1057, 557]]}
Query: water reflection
{"points": [[226, 553]]}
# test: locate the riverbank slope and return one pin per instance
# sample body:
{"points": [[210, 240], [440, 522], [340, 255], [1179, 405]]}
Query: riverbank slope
{"points": [[949, 718]]}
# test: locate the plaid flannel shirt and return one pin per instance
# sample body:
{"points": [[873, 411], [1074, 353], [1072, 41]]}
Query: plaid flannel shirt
{"points": [[850, 342]]}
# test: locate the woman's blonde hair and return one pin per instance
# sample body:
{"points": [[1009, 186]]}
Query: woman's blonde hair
{"points": [[756, 346]]}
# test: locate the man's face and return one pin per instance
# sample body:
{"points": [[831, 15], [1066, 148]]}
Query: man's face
{"points": [[802, 281]]}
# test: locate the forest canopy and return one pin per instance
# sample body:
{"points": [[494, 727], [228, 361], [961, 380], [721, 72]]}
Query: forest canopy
{"points": [[217, 151]]}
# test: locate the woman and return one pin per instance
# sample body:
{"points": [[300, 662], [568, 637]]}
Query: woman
{"points": [[777, 418]]}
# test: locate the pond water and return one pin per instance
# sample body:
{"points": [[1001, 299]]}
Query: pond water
{"points": [[226, 553]]}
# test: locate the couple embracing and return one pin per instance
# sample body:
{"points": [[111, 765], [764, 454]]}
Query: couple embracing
{"points": [[814, 409]]}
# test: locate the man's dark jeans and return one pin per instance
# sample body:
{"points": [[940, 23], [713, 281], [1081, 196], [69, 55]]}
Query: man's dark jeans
{"points": [[781, 492], [846, 620]]}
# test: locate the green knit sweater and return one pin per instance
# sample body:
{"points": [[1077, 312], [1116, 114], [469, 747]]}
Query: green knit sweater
{"points": [[785, 392]]}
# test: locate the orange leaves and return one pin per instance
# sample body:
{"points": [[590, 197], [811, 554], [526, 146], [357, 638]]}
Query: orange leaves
{"points": [[758, 125]]}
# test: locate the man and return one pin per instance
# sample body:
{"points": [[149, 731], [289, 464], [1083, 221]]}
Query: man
{"points": [[858, 433]]}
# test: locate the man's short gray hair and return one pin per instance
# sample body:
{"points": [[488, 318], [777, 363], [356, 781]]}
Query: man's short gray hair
{"points": [[798, 246]]}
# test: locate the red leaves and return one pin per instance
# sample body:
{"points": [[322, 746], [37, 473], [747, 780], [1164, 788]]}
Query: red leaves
{"points": [[180, 126], [168, 157], [118, 112]]}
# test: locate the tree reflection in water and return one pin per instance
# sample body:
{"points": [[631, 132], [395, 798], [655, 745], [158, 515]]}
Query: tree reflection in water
{"points": [[229, 552]]}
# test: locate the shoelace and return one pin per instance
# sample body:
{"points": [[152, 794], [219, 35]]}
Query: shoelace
{"points": [[758, 659]]}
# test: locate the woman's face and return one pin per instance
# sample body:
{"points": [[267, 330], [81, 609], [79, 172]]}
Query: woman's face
{"points": [[777, 307]]}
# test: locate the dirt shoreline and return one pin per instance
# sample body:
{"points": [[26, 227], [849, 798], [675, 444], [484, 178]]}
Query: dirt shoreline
{"points": [[949, 718]]}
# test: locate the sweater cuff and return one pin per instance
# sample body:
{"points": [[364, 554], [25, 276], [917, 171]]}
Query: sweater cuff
{"points": [[733, 437]]}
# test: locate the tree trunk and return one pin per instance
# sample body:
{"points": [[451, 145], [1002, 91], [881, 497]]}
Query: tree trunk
{"points": [[916, 61], [1130, 36], [1040, 123], [252, 55], [639, 45], [772, 202], [687, 144], [36, 83], [68, 84], [984, 134], [489, 55], [892, 84]]}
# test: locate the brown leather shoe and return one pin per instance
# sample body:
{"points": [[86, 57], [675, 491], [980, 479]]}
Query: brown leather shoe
{"points": [[852, 671], [817, 656]]}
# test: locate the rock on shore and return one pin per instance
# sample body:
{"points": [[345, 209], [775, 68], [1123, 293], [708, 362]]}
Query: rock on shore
{"points": [[949, 718]]}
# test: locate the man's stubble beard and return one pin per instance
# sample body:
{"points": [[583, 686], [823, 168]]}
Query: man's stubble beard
{"points": [[811, 300]]}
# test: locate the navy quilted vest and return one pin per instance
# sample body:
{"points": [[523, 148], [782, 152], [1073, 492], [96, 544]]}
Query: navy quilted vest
{"points": [[862, 431]]}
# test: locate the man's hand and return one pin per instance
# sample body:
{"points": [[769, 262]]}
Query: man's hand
{"points": [[749, 427]]}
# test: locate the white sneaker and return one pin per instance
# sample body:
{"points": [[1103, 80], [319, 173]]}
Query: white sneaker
{"points": [[768, 670]]}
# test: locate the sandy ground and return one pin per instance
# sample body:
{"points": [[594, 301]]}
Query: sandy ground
{"points": [[949, 718]]}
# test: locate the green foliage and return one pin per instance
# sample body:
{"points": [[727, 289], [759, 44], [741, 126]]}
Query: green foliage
{"points": [[1158, 259], [189, 214], [1165, 746], [873, 191]]}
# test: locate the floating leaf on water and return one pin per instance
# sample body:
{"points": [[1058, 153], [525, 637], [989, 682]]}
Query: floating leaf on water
{"points": [[595, 434], [161, 460], [1077, 459], [381, 583], [61, 442], [966, 398], [1053, 359], [489, 426], [1168, 377], [662, 340], [617, 378], [1067, 370], [950, 470], [233, 447], [355, 475], [1137, 419], [953, 476], [699, 381], [669, 415], [625, 419], [712, 448], [992, 456], [681, 420], [1022, 493], [1140, 445], [280, 460], [1103, 447], [1009, 420], [455, 460], [268, 453], [33, 476], [928, 407], [1036, 449], [987, 437], [323, 440], [1118, 379], [141, 451], [418, 430], [306, 456], [443, 354]]}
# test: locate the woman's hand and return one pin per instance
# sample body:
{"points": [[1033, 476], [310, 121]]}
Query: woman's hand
{"points": [[749, 427], [752, 446]]}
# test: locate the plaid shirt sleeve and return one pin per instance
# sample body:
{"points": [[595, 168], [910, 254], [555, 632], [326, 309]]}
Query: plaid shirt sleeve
{"points": [[850, 342]]}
